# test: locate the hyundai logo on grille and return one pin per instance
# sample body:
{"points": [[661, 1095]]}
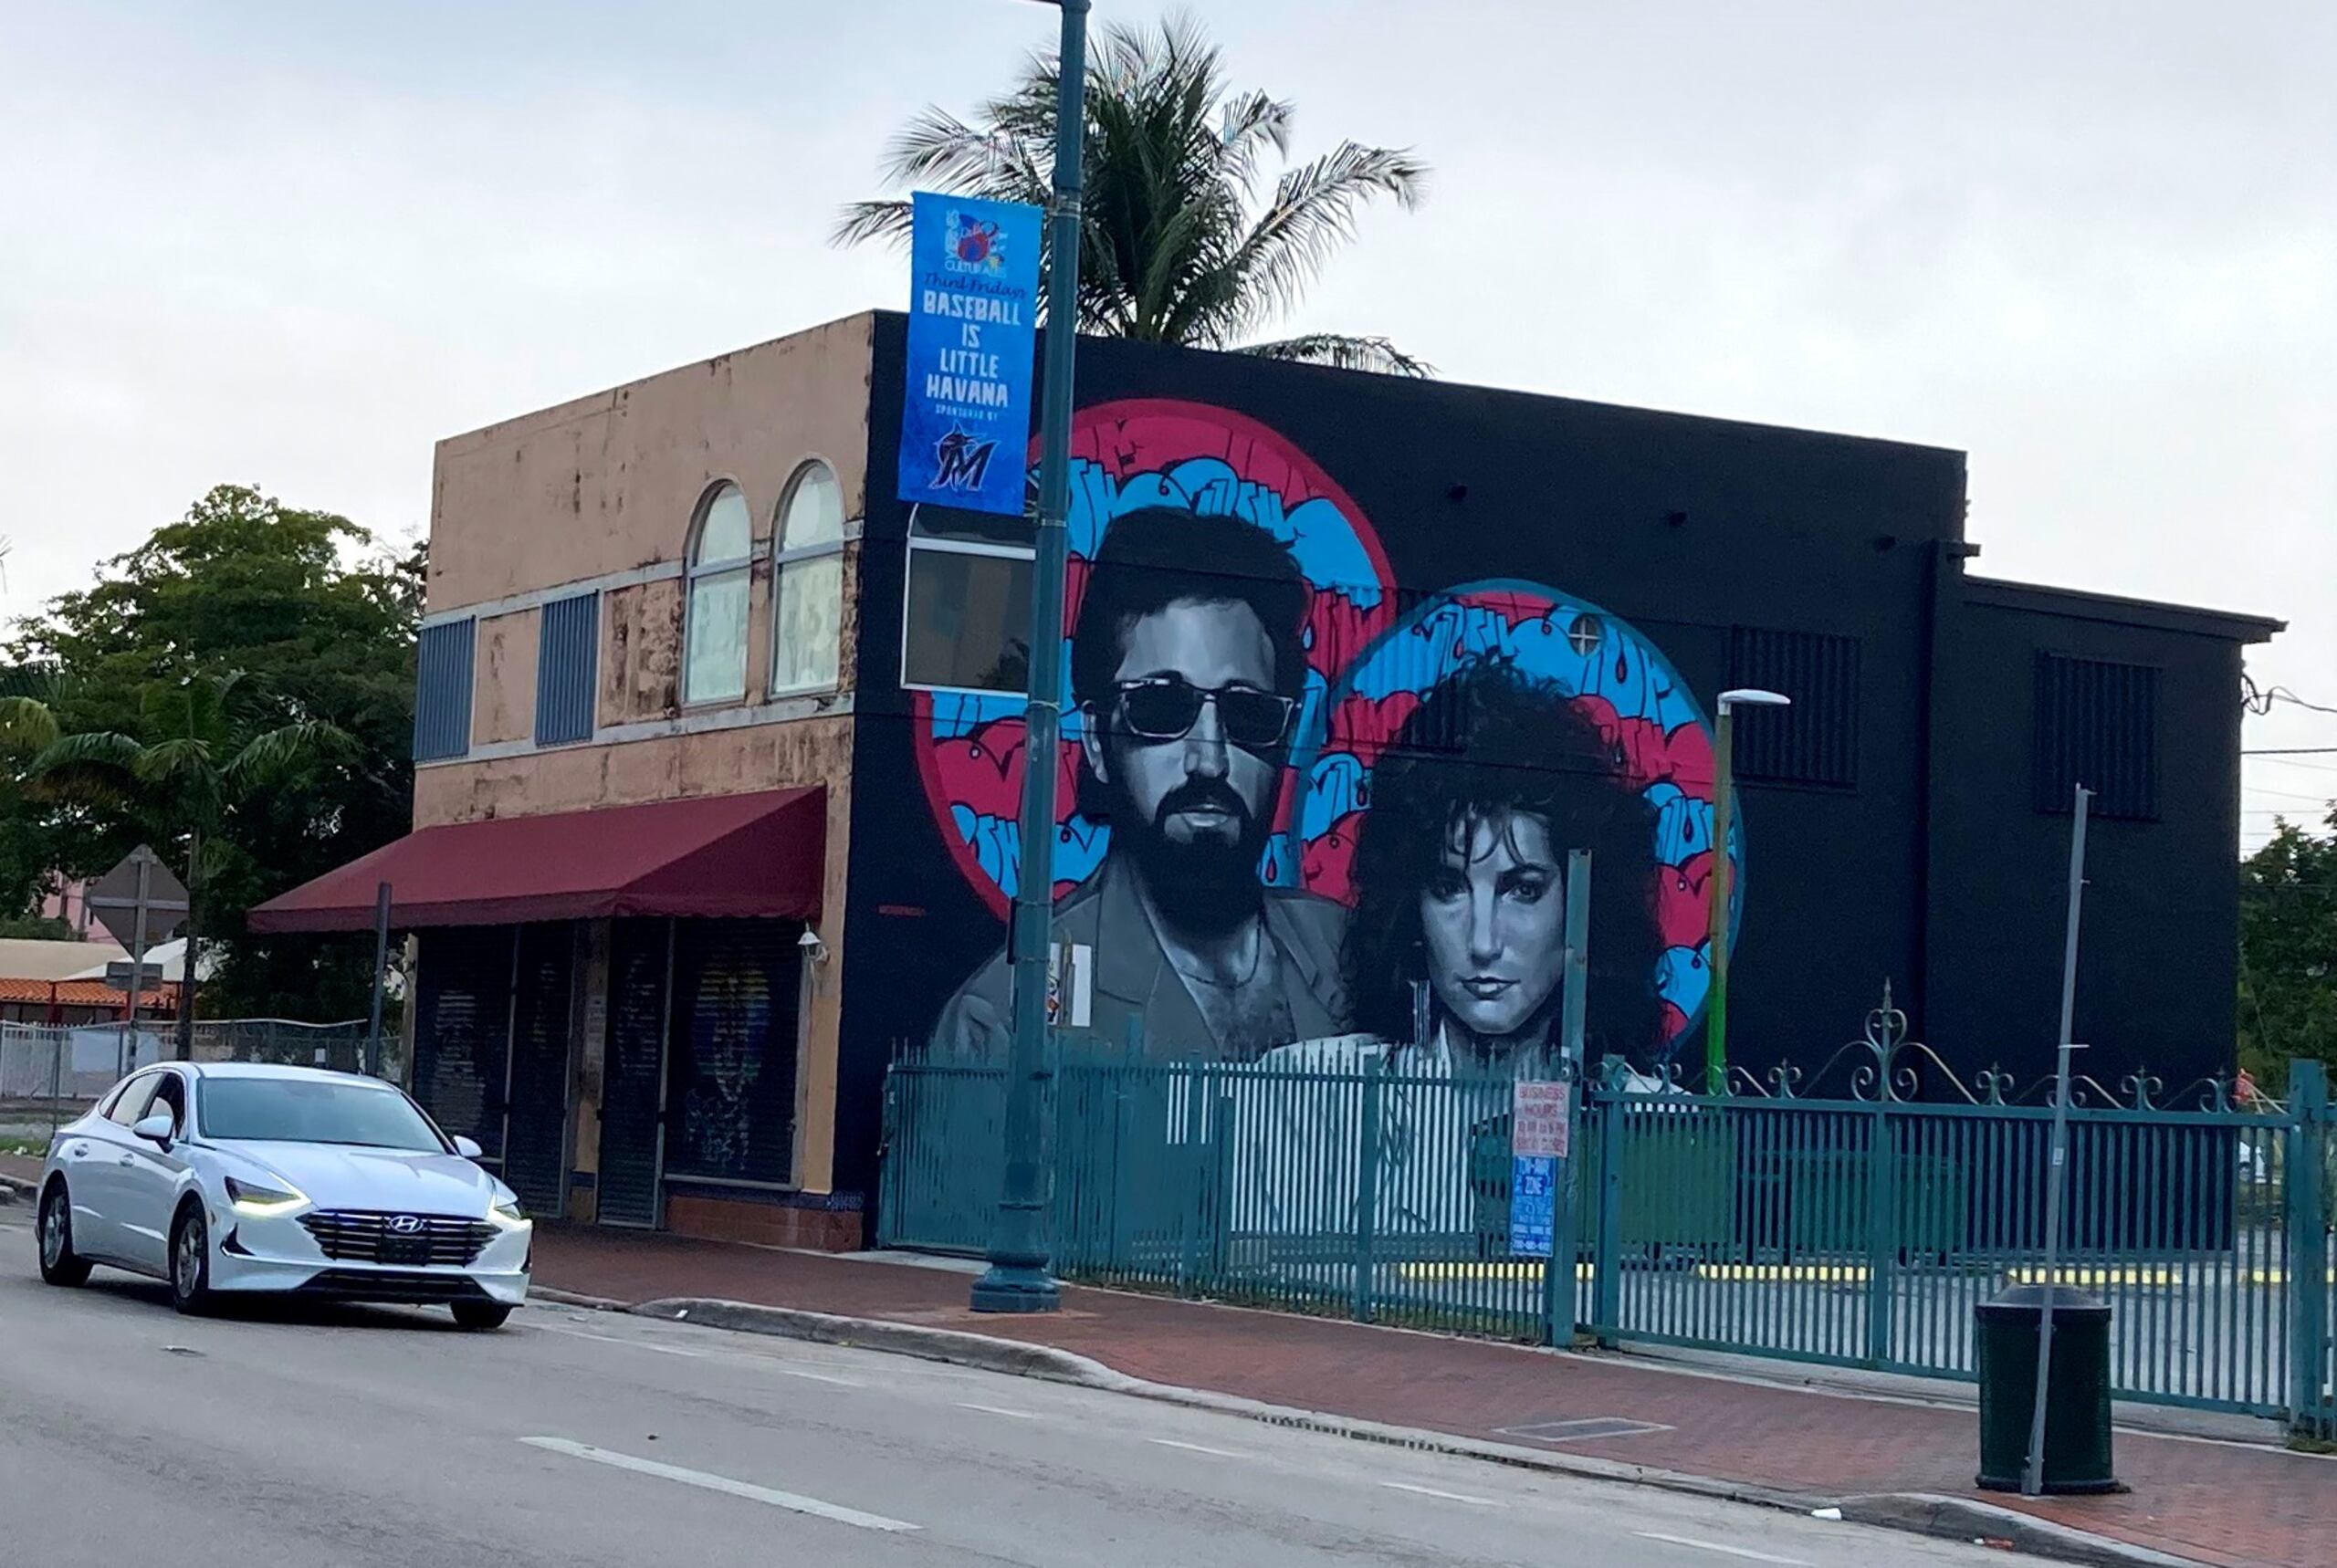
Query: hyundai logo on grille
{"points": [[404, 1223]]}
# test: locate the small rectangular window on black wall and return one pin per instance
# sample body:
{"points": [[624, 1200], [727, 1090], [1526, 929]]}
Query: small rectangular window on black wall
{"points": [[1814, 742], [2096, 725], [965, 623], [568, 645], [442, 691]]}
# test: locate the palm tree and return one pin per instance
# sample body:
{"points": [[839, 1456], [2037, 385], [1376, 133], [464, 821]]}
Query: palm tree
{"points": [[1172, 250], [204, 754]]}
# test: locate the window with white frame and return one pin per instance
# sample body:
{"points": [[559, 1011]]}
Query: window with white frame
{"points": [[807, 582], [721, 558], [966, 626]]}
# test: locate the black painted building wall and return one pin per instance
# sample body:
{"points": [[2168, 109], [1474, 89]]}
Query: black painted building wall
{"points": [[1891, 826], [2158, 961]]}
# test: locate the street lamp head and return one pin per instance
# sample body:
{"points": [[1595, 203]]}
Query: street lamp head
{"points": [[1752, 697]]}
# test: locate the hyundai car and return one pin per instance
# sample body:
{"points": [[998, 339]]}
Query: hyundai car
{"points": [[226, 1178]]}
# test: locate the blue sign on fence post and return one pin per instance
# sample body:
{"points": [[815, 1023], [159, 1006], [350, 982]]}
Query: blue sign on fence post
{"points": [[1533, 1205], [1537, 1139], [973, 324]]}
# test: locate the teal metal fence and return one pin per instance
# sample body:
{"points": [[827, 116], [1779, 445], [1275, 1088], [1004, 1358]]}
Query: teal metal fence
{"points": [[1859, 1228]]}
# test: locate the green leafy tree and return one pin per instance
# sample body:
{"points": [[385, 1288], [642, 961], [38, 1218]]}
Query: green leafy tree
{"points": [[318, 627], [2288, 952], [199, 754], [1176, 246], [29, 844]]}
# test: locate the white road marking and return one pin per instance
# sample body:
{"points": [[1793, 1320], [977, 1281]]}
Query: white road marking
{"points": [[1447, 1496], [813, 1376], [629, 1343], [1000, 1410], [1749, 1555], [791, 1503], [700, 1355], [1197, 1449]]}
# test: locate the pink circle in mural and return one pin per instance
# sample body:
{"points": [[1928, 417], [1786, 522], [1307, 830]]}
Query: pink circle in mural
{"points": [[1126, 455]]}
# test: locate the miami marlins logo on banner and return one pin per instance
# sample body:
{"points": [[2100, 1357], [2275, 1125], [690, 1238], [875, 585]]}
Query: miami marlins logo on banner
{"points": [[973, 324]]}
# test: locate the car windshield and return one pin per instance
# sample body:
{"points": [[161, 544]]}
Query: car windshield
{"points": [[312, 1111]]}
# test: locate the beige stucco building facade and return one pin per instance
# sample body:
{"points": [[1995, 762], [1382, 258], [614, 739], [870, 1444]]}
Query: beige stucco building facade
{"points": [[603, 494]]}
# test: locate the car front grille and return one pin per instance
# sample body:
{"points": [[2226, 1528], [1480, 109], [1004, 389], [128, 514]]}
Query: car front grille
{"points": [[392, 1285], [360, 1236]]}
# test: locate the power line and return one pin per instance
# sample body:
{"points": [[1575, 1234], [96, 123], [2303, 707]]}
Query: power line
{"points": [[2289, 752], [2259, 700], [2287, 794]]}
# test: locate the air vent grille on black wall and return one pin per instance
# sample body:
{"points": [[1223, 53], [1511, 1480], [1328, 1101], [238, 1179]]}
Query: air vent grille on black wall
{"points": [[2096, 725], [1815, 741]]}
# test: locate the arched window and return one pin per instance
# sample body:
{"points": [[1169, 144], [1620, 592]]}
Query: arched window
{"points": [[714, 667], [807, 582]]}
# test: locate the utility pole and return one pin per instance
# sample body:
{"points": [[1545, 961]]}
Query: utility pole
{"points": [[129, 1053], [194, 939], [380, 968], [1021, 1277], [1558, 1282], [2032, 1475]]}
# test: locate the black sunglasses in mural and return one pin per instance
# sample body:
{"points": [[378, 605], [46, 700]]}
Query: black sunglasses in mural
{"points": [[1166, 707]]}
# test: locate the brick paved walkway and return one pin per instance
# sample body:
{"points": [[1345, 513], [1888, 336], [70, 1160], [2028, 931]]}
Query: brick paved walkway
{"points": [[2220, 1503]]}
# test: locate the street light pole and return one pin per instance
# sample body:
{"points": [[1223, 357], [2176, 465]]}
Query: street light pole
{"points": [[1724, 810], [1020, 1278]]}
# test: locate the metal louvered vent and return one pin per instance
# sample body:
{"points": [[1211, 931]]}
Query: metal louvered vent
{"points": [[1815, 740], [2096, 725]]}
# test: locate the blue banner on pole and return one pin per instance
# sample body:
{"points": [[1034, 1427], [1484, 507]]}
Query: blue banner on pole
{"points": [[973, 324], [1532, 1205]]}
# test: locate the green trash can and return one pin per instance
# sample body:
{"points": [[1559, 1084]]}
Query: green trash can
{"points": [[2077, 1400]]}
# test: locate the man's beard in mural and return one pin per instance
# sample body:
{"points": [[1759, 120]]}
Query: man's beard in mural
{"points": [[1198, 854]]}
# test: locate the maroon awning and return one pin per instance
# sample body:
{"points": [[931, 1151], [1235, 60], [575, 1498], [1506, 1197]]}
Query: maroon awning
{"points": [[759, 854]]}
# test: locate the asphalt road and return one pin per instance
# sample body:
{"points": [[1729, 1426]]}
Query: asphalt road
{"points": [[345, 1436]]}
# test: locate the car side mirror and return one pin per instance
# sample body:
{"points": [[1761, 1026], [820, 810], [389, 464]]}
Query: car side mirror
{"points": [[468, 1147], [156, 1128]]}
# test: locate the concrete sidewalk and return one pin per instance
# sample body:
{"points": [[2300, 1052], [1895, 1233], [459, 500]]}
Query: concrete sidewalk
{"points": [[2228, 1504]]}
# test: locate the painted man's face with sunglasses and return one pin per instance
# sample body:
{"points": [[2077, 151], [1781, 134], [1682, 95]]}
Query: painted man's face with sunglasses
{"points": [[1191, 738]]}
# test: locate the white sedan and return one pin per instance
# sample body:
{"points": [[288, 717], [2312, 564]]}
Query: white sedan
{"points": [[232, 1176]]}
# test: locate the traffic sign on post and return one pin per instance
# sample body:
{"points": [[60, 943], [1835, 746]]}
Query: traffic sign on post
{"points": [[113, 899], [150, 976]]}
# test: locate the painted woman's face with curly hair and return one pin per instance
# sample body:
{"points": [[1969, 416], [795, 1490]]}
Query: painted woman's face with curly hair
{"points": [[1493, 918]]}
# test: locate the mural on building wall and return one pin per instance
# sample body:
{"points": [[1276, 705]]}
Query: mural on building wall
{"points": [[1294, 801]]}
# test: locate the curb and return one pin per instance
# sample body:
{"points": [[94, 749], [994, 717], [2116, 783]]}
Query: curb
{"points": [[571, 1299], [12, 1189], [1948, 1518], [1963, 1519]]}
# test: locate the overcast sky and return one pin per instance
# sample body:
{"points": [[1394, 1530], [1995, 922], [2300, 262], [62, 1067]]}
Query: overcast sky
{"points": [[2094, 245]]}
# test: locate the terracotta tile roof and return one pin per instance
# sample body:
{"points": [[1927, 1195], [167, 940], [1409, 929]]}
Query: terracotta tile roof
{"points": [[82, 994]]}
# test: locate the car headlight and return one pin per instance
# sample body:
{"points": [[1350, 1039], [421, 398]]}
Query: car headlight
{"points": [[509, 1214], [250, 1197]]}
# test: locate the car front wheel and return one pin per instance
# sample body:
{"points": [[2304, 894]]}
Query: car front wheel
{"points": [[191, 1262], [59, 1264], [480, 1315]]}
